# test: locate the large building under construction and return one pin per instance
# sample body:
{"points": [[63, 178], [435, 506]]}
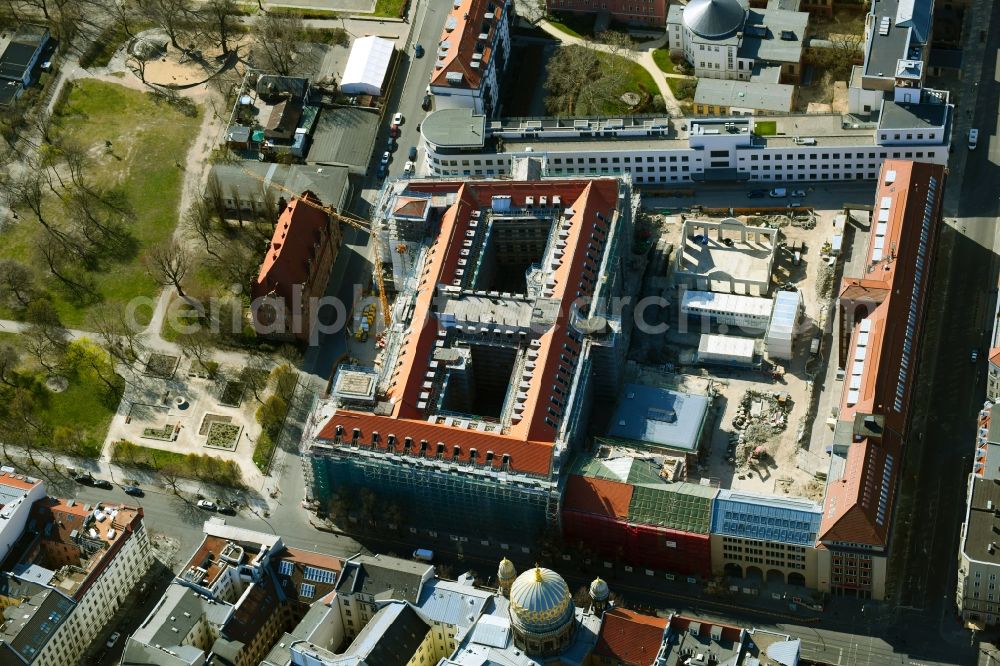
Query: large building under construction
{"points": [[505, 329]]}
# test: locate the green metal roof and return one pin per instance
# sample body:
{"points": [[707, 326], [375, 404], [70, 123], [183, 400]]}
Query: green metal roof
{"points": [[679, 506], [622, 469]]}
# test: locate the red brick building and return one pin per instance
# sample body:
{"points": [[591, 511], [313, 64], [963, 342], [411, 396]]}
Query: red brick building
{"points": [[657, 526], [295, 271], [651, 13]]}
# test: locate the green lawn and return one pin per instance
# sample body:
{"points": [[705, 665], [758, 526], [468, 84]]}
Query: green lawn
{"points": [[389, 8], [636, 79], [662, 59], [580, 26], [86, 407], [191, 465], [683, 89], [303, 13], [149, 139], [765, 127]]}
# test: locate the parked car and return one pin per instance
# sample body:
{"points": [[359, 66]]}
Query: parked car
{"points": [[207, 505], [426, 104], [412, 154], [408, 169], [975, 356], [134, 491], [226, 510], [381, 172], [973, 138], [798, 193], [85, 479], [102, 483], [418, 51], [394, 130], [112, 639], [390, 145], [778, 193], [386, 156], [756, 194], [397, 119]]}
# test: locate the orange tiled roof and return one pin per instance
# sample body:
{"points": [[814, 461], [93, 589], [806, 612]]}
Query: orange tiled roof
{"points": [[411, 206], [292, 247], [630, 638], [531, 457], [313, 559], [22, 483], [597, 496], [468, 17], [851, 512], [995, 356], [883, 300]]}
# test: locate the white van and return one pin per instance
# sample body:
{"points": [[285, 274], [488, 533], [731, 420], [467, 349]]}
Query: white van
{"points": [[778, 193], [973, 138]]}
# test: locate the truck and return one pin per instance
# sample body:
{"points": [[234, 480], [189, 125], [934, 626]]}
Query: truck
{"points": [[814, 346], [423, 555]]}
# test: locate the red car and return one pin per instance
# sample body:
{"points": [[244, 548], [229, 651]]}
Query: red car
{"points": [[394, 130]]}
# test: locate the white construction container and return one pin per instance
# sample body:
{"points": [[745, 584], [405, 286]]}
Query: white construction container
{"points": [[725, 350], [781, 331], [751, 313]]}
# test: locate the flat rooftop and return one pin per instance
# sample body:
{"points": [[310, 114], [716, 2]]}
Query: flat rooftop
{"points": [[913, 116], [733, 249], [460, 128], [886, 47], [982, 533], [660, 417]]}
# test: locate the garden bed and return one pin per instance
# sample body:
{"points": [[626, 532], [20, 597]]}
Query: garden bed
{"points": [[206, 423], [223, 436], [232, 394], [161, 365], [164, 434]]}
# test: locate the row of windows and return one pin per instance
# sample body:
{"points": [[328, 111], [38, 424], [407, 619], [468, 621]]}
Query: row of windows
{"points": [[649, 159], [558, 162]]}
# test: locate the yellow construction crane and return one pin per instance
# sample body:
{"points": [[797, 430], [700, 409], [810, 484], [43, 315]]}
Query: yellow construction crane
{"points": [[356, 222]]}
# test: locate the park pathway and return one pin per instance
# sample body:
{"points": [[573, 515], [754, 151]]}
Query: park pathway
{"points": [[642, 54]]}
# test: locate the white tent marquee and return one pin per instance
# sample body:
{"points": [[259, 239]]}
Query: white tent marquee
{"points": [[366, 66]]}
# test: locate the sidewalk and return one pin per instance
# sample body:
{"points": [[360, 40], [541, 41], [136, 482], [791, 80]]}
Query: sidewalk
{"points": [[642, 54]]}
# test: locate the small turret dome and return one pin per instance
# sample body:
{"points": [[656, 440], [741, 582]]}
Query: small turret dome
{"points": [[506, 570], [599, 590]]}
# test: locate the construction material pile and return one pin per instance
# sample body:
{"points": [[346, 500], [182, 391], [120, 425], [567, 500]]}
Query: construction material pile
{"points": [[760, 416]]}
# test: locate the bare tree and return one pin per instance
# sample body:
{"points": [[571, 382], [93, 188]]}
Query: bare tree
{"points": [[173, 16], [18, 280], [844, 50], [255, 376], [137, 64], [120, 336], [123, 13], [203, 225], [197, 346], [221, 20], [570, 69], [10, 358], [169, 262], [45, 338], [279, 40]]}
